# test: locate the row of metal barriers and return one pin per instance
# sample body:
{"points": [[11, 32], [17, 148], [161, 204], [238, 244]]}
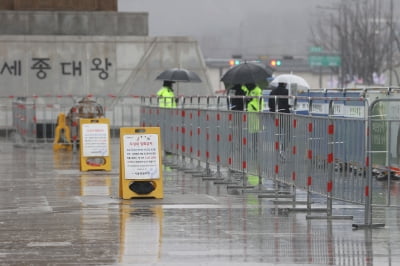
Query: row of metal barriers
{"points": [[353, 159]]}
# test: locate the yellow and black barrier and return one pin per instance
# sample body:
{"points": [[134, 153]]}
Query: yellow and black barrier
{"points": [[140, 163], [62, 135], [95, 144]]}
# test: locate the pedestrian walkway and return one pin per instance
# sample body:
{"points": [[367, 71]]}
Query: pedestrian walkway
{"points": [[53, 214]]}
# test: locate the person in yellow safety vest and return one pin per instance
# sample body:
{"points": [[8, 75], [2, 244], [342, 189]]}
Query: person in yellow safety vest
{"points": [[166, 95], [254, 104]]}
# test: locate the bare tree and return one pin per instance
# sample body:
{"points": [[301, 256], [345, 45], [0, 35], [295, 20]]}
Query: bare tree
{"points": [[361, 32]]}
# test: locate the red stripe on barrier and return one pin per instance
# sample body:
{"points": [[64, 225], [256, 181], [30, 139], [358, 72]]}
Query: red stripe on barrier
{"points": [[331, 129], [218, 159], [229, 160], [310, 127], [244, 141], [295, 123], [207, 136], [198, 153], [191, 133], [367, 161], [330, 157], [177, 129], [207, 154], [190, 115], [276, 169], [177, 147], [276, 145], [294, 150], [198, 131], [183, 130], [198, 113], [244, 164], [218, 137], [309, 181], [183, 148], [207, 117], [276, 122], [183, 113], [294, 176], [230, 117], [329, 186], [230, 137], [218, 117], [244, 118], [366, 191], [191, 149]]}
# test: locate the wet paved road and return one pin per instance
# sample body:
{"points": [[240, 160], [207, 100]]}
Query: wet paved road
{"points": [[53, 214]]}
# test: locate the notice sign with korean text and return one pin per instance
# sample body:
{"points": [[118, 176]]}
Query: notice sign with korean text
{"points": [[95, 140], [141, 155]]}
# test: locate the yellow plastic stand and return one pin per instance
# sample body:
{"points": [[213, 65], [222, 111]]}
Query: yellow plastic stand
{"points": [[140, 163], [62, 135], [94, 144]]}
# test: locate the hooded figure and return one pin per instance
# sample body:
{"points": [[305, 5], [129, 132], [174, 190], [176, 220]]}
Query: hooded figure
{"points": [[166, 95], [283, 103]]}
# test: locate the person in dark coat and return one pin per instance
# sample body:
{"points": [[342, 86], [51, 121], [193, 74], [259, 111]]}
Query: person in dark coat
{"points": [[284, 120], [237, 103], [283, 103]]}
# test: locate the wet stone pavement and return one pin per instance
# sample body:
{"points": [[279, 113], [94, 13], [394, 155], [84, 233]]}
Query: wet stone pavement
{"points": [[53, 214]]}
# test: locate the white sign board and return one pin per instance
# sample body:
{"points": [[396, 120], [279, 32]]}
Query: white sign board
{"points": [[95, 140], [141, 156]]}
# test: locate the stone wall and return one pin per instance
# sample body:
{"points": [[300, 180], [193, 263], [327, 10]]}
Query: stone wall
{"points": [[81, 5], [102, 65], [103, 23]]}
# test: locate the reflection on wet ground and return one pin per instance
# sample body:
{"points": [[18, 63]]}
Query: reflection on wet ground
{"points": [[53, 214]]}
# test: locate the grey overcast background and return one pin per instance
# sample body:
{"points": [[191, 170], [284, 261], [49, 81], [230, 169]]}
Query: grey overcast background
{"points": [[226, 27]]}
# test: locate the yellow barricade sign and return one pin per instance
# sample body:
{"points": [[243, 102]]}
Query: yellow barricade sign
{"points": [[140, 163], [62, 137], [95, 144]]}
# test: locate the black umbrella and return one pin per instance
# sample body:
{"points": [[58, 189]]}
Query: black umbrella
{"points": [[246, 73], [179, 74]]}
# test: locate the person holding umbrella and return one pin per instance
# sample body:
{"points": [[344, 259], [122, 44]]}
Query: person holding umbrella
{"points": [[237, 102], [283, 103], [166, 95]]}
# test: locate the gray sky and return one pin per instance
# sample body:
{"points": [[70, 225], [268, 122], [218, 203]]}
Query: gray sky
{"points": [[225, 27]]}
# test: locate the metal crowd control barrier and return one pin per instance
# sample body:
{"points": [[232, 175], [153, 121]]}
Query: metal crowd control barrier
{"points": [[31, 120], [321, 154]]}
